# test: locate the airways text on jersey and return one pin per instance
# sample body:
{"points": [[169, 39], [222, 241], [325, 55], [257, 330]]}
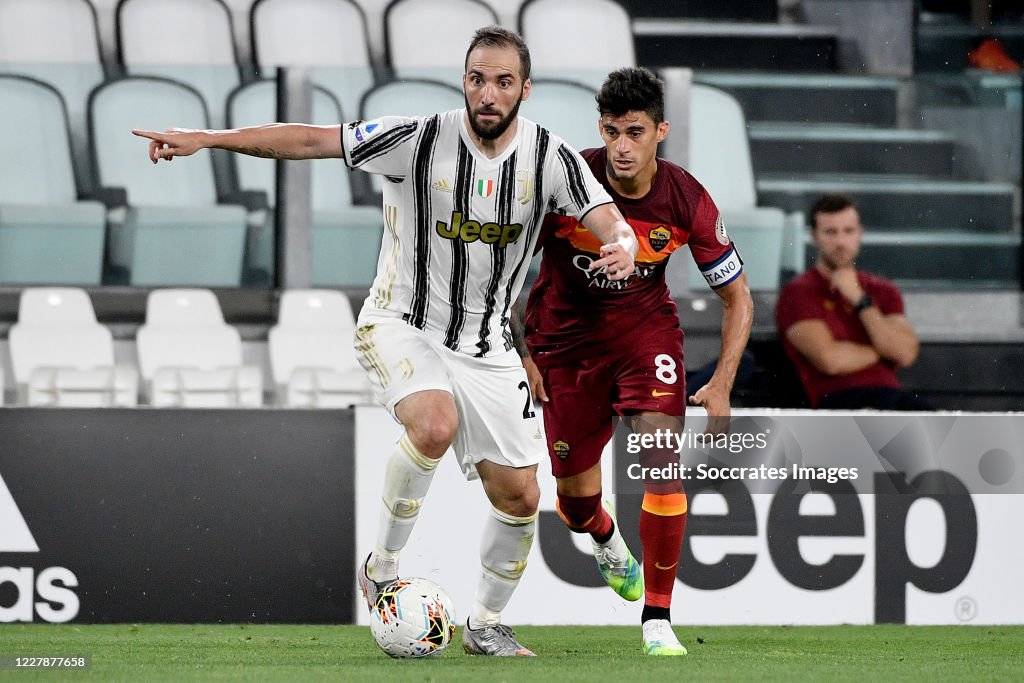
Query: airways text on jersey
{"points": [[598, 279], [471, 231]]}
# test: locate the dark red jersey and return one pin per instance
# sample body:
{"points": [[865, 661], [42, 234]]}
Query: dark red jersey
{"points": [[572, 311], [810, 297]]}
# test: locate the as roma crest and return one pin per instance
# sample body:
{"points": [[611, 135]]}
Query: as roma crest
{"points": [[659, 237], [561, 449]]}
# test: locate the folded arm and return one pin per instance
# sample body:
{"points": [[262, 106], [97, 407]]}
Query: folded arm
{"points": [[815, 342]]}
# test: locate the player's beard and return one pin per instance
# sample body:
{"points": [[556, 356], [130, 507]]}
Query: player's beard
{"points": [[496, 129], [613, 174], [839, 259]]}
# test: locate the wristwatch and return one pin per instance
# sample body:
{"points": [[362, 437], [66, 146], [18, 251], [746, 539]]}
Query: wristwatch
{"points": [[865, 302]]}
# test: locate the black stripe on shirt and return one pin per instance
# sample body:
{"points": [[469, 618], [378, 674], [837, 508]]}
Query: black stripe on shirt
{"points": [[503, 216], [465, 168], [574, 178], [373, 148], [423, 157], [540, 208]]}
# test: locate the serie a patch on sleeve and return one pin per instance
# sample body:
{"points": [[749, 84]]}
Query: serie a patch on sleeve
{"points": [[724, 270]]}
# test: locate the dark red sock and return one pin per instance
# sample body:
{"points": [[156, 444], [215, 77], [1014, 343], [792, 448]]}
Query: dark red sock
{"points": [[585, 514], [662, 525]]}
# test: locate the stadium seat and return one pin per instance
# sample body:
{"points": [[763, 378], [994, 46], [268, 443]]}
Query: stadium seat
{"points": [[507, 11], [346, 237], [47, 236], [578, 40], [411, 97], [190, 358], [56, 42], [720, 159], [450, 25], [62, 357], [312, 354], [172, 231], [567, 109], [206, 60], [327, 34]]}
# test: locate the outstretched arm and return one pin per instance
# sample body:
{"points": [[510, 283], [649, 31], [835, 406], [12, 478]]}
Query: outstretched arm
{"points": [[273, 141], [620, 245]]}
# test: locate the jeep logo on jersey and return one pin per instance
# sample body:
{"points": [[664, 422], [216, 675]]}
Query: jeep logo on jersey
{"points": [[659, 237], [471, 231], [57, 602]]}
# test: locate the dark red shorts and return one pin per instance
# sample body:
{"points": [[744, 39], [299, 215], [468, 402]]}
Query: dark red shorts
{"points": [[645, 373]]}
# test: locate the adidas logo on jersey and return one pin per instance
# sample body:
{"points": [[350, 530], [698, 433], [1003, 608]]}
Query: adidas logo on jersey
{"points": [[442, 185], [471, 231]]}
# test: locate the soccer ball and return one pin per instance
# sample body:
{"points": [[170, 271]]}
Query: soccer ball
{"points": [[413, 618]]}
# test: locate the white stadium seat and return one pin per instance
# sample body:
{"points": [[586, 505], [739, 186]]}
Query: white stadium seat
{"points": [[63, 357], [312, 354], [190, 357]]}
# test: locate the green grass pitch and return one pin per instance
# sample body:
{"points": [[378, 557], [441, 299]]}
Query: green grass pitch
{"points": [[159, 652]]}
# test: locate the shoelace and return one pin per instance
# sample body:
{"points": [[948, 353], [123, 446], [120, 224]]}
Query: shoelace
{"points": [[506, 631], [609, 559]]}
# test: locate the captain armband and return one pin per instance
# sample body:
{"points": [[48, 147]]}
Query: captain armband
{"points": [[724, 270]]}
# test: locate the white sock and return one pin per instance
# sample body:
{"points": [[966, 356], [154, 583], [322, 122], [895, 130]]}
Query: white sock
{"points": [[406, 482], [503, 551]]}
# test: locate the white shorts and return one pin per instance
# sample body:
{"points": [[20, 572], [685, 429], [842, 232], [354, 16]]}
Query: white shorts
{"points": [[492, 396]]}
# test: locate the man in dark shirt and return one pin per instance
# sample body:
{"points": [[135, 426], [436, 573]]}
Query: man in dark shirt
{"points": [[844, 329]]}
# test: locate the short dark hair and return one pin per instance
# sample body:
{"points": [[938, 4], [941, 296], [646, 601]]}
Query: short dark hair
{"points": [[632, 89], [828, 203], [499, 36]]}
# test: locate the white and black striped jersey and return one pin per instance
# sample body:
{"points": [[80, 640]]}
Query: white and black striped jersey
{"points": [[459, 228]]}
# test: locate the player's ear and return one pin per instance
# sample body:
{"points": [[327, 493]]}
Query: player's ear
{"points": [[526, 89], [662, 131]]}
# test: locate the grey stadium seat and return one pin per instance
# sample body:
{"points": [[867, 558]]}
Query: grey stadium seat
{"points": [[172, 230], [47, 235], [346, 237], [448, 23]]}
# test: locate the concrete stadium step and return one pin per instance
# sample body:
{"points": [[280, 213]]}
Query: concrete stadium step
{"points": [[905, 202], [800, 149], [735, 45], [734, 10], [808, 98], [952, 259]]}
